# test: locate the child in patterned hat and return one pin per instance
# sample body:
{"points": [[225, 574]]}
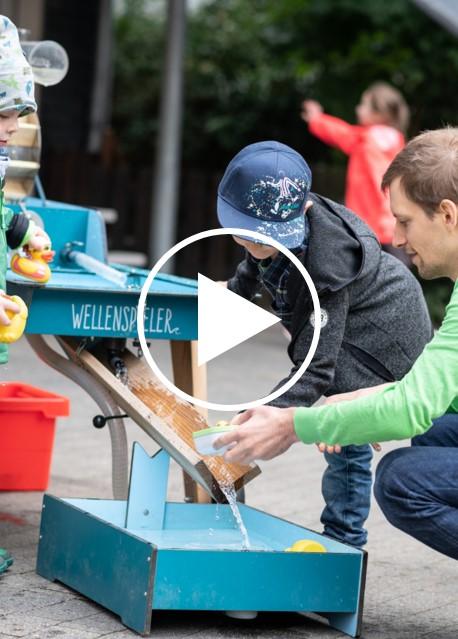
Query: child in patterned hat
{"points": [[16, 100], [366, 298]]}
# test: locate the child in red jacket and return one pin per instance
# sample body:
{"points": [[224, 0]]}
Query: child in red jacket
{"points": [[371, 145]]}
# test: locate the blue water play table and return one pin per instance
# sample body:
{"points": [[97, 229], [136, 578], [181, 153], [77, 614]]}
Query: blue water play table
{"points": [[145, 554]]}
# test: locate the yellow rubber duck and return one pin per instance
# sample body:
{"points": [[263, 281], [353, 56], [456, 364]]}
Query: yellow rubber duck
{"points": [[33, 265], [13, 331], [306, 545]]}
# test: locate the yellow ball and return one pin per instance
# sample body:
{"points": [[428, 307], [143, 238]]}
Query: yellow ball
{"points": [[306, 545]]}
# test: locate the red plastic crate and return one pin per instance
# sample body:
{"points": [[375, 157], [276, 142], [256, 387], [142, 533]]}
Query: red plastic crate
{"points": [[27, 423]]}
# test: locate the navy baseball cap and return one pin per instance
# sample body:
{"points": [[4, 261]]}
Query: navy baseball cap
{"points": [[264, 189]]}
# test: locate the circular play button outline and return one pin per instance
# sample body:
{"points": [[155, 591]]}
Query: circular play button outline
{"points": [[264, 239]]}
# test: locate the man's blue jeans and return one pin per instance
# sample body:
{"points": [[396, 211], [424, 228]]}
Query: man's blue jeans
{"points": [[417, 487], [346, 488]]}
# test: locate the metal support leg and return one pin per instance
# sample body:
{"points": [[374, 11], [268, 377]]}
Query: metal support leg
{"points": [[105, 402]]}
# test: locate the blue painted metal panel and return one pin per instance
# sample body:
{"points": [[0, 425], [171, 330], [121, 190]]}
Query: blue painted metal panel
{"points": [[65, 223], [107, 564], [231, 580], [147, 489], [113, 511], [75, 302], [96, 313], [351, 624]]}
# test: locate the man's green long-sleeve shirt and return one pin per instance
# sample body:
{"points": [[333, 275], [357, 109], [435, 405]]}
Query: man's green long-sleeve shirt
{"points": [[402, 410]]}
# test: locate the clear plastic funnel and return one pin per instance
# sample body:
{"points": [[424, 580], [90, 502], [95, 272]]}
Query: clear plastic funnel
{"points": [[48, 59]]}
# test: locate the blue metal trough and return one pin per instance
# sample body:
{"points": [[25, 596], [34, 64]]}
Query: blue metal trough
{"points": [[146, 554]]}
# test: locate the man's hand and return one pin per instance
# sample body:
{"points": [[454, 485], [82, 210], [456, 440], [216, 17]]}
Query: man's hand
{"points": [[310, 109], [262, 433], [6, 304], [39, 240]]}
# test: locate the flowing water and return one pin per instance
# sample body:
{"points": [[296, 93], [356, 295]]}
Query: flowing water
{"points": [[229, 492], [228, 489]]}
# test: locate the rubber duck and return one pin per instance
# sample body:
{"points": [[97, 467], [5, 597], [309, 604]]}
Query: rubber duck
{"points": [[34, 264], [13, 331]]}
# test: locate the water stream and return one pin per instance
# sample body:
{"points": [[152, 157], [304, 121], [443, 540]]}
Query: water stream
{"points": [[228, 489], [229, 492]]}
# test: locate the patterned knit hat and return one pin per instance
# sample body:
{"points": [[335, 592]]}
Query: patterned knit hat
{"points": [[16, 77]]}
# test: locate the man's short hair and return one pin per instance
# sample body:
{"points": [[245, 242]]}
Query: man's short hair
{"points": [[428, 169]]}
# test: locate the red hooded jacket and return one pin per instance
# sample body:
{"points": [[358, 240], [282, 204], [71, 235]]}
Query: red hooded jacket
{"points": [[370, 149]]}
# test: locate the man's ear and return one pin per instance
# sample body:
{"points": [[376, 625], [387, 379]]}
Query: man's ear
{"points": [[308, 204], [449, 212]]}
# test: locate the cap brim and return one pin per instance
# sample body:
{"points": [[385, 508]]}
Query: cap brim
{"points": [[23, 109], [290, 234]]}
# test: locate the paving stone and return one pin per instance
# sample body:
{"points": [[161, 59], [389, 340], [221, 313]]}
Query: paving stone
{"points": [[59, 632], [30, 579], [16, 600], [450, 632], [70, 609], [101, 623], [23, 625]]}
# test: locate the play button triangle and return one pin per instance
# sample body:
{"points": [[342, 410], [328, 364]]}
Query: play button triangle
{"points": [[225, 319]]}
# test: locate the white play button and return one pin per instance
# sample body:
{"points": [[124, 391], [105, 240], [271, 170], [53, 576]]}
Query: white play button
{"points": [[225, 319]]}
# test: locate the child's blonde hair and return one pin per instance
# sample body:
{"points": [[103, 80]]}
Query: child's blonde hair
{"points": [[389, 102]]}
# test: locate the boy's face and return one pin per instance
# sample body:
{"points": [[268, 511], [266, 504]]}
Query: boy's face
{"points": [[432, 242], [8, 125], [263, 251], [258, 251]]}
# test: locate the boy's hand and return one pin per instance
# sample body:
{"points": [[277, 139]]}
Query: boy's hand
{"points": [[310, 109], [337, 448], [6, 305], [39, 240], [324, 448]]}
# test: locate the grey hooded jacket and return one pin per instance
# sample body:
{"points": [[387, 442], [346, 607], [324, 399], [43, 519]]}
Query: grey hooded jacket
{"points": [[375, 322]]}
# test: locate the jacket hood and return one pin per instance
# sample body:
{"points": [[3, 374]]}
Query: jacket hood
{"points": [[336, 253]]}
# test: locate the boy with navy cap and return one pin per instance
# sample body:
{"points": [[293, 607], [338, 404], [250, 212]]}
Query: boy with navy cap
{"points": [[374, 320]]}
